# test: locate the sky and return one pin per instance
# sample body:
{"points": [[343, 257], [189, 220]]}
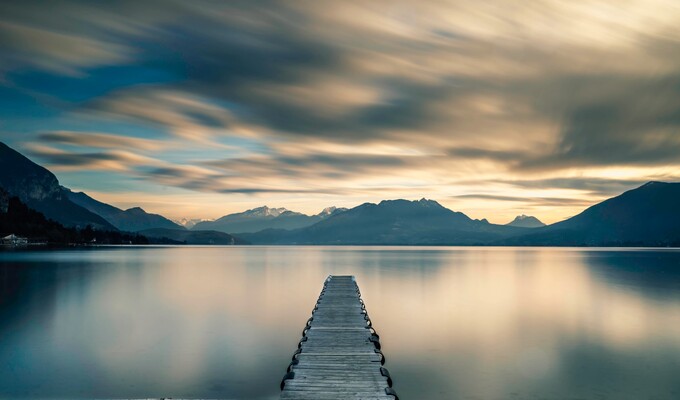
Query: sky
{"points": [[199, 109]]}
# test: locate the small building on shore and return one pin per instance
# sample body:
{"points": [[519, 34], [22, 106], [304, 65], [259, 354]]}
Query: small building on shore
{"points": [[14, 240]]}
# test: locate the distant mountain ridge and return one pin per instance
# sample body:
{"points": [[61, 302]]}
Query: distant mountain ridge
{"points": [[646, 216], [526, 221], [131, 220], [189, 222], [264, 217], [424, 222]]}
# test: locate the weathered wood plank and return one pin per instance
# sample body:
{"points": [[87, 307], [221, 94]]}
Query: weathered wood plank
{"points": [[339, 355]]}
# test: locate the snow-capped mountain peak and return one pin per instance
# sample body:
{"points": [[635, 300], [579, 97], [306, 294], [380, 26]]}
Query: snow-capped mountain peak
{"points": [[328, 211], [189, 222], [265, 211]]}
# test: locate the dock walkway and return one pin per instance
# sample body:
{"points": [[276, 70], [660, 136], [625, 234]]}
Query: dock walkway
{"points": [[339, 355]]}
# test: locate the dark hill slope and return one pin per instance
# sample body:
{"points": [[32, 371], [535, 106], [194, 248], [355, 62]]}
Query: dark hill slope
{"points": [[645, 216], [39, 189], [132, 220]]}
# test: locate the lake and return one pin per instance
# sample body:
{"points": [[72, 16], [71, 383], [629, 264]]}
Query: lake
{"points": [[454, 322]]}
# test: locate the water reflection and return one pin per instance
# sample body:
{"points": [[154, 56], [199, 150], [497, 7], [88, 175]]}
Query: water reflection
{"points": [[467, 323], [653, 271]]}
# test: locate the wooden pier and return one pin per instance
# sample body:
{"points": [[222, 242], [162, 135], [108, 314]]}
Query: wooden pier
{"points": [[339, 356]]}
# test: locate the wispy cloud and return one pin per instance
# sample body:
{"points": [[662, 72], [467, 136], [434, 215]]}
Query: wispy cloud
{"points": [[601, 187], [552, 201], [103, 140], [27, 46], [187, 116], [351, 98], [109, 160]]}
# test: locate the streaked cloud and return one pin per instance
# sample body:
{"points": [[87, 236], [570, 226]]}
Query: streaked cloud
{"points": [[555, 201], [102, 140], [556, 103], [596, 186], [28, 46], [182, 114], [110, 160]]}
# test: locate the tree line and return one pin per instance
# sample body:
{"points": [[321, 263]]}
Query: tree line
{"points": [[22, 220]]}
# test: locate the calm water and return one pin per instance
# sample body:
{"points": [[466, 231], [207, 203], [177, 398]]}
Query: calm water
{"points": [[455, 323]]}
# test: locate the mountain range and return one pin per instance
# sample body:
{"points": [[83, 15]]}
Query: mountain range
{"points": [[264, 217], [393, 222], [189, 222], [645, 216], [39, 189]]}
